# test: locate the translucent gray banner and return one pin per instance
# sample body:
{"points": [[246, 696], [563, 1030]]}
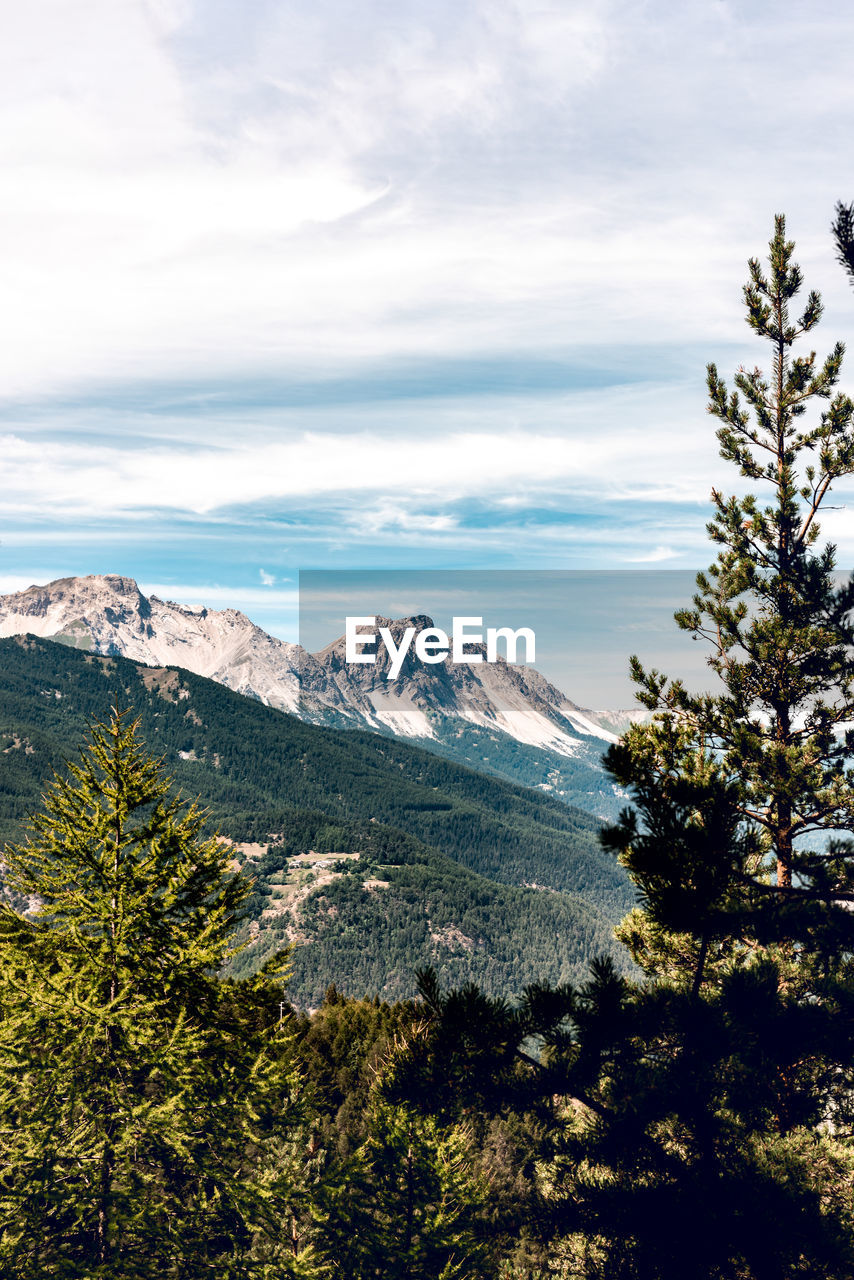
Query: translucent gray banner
{"points": [[586, 624]]}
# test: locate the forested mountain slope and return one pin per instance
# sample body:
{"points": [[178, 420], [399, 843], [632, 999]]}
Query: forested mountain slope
{"points": [[429, 822], [496, 717]]}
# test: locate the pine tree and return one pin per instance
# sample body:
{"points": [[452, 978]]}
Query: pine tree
{"points": [[843, 236], [700, 1118], [770, 607], [139, 1100], [405, 1205]]}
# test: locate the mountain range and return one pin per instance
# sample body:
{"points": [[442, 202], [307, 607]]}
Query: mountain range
{"points": [[496, 717]]}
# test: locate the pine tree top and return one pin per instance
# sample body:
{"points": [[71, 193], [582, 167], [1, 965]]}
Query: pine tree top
{"points": [[118, 867]]}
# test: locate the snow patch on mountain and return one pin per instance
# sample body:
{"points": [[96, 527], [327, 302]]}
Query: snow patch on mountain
{"points": [[108, 614], [400, 714]]}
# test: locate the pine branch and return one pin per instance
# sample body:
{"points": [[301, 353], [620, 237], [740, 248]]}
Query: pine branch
{"points": [[843, 235]]}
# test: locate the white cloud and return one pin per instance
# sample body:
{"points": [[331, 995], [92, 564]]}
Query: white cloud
{"points": [[390, 518], [655, 556], [221, 194], [223, 597], [187, 193], [621, 464], [11, 582]]}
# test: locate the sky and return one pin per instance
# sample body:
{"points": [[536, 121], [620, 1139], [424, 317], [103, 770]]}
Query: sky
{"points": [[379, 284]]}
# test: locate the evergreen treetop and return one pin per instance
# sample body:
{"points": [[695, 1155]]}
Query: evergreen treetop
{"points": [[147, 1109], [117, 863], [770, 607], [699, 1118]]}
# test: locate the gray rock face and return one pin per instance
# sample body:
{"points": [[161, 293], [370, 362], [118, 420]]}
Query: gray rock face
{"points": [[110, 615]]}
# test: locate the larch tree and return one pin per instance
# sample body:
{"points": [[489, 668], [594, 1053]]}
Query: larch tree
{"points": [[140, 1100]]}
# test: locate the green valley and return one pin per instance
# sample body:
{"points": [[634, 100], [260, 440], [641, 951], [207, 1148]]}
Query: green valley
{"points": [[434, 863]]}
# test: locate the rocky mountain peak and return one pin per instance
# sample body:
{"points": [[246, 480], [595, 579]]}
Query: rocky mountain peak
{"points": [[109, 614]]}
